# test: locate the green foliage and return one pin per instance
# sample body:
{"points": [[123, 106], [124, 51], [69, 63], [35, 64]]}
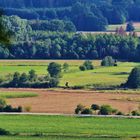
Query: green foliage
{"points": [[5, 33], [79, 109], [52, 25], [2, 103], [4, 132], [135, 113], [8, 108], [54, 82], [31, 80], [10, 94], [106, 110], [32, 76], [82, 68], [54, 69], [95, 107], [130, 27], [84, 14], [134, 78], [108, 61], [31, 43], [87, 111], [87, 65], [23, 78], [65, 67]]}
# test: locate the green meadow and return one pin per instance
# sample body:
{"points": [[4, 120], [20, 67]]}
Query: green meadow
{"points": [[11, 94], [64, 127], [99, 77]]}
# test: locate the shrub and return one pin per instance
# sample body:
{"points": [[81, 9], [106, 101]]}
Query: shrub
{"points": [[2, 103], [32, 76], [9, 108], [78, 87], [108, 61], [79, 109], [95, 107], [114, 111], [53, 82], [4, 132], [82, 68], [27, 109], [65, 67], [135, 113], [119, 113], [87, 111], [23, 78], [15, 80], [106, 110], [130, 27], [87, 65]]}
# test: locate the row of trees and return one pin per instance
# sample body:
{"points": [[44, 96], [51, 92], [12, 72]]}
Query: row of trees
{"points": [[54, 45], [33, 80]]}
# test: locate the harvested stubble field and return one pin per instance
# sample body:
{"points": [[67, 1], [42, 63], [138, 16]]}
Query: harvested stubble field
{"points": [[65, 101]]}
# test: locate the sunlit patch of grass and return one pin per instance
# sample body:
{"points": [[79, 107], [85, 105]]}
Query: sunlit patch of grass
{"points": [[11, 94]]}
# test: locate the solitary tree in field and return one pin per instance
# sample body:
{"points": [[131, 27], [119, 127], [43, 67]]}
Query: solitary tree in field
{"points": [[134, 78], [54, 69], [108, 61]]}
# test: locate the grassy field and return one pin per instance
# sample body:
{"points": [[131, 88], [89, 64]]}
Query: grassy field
{"points": [[100, 76], [11, 94], [57, 138], [73, 128]]}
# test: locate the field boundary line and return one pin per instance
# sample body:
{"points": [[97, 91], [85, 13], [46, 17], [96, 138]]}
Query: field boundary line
{"points": [[74, 115]]}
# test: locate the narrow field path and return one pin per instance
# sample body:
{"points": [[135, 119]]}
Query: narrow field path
{"points": [[71, 115]]}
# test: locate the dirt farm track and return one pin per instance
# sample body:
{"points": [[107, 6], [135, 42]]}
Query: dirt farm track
{"points": [[65, 101]]}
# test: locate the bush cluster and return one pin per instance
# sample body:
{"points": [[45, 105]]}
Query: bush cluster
{"points": [[96, 109], [108, 61], [8, 108], [4, 132], [87, 65]]}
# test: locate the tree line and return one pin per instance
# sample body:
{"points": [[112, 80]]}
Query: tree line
{"points": [[42, 42], [86, 15], [56, 45]]}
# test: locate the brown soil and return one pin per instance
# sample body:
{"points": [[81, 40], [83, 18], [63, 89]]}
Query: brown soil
{"points": [[66, 101]]}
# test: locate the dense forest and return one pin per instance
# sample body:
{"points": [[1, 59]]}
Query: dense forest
{"points": [[48, 30], [30, 43], [86, 15]]}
